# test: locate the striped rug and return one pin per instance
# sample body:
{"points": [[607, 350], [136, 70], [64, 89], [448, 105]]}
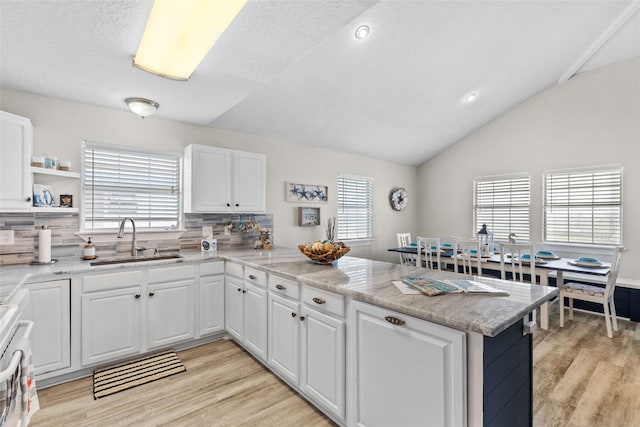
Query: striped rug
{"points": [[112, 380]]}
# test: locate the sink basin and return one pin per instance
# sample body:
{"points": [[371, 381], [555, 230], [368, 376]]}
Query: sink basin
{"points": [[134, 259]]}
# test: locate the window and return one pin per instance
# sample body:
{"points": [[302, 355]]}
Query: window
{"points": [[502, 202], [355, 207], [583, 206], [118, 182]]}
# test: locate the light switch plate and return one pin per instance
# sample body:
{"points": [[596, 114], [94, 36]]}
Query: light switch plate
{"points": [[6, 237]]}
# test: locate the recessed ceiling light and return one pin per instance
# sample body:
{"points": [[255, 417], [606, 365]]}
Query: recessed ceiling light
{"points": [[362, 32], [470, 97]]}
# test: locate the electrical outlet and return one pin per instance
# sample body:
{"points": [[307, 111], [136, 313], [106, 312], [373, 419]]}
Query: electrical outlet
{"points": [[6, 237], [207, 230]]}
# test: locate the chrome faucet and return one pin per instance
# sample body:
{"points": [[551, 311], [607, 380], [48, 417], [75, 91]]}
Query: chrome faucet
{"points": [[134, 249]]}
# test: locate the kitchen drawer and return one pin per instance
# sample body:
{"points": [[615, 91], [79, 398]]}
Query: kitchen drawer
{"points": [[284, 286], [255, 276], [211, 268], [104, 282], [234, 269], [323, 300], [171, 274]]}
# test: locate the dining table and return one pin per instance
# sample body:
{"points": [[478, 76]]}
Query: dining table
{"points": [[559, 266]]}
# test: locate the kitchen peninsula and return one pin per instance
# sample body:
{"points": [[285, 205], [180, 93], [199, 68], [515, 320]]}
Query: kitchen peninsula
{"points": [[454, 360]]}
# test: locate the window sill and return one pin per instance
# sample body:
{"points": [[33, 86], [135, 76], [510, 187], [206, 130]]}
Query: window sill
{"points": [[357, 242], [111, 235]]}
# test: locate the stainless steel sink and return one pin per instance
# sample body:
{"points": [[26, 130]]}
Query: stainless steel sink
{"points": [[134, 259]]}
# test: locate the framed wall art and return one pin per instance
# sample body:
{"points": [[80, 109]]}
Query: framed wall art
{"points": [[308, 217], [306, 193]]}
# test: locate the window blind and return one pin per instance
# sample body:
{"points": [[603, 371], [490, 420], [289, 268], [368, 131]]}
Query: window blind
{"points": [[355, 207], [583, 206], [119, 183], [503, 203]]}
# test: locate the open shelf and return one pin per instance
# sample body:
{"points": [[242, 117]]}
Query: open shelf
{"points": [[55, 172], [54, 209]]}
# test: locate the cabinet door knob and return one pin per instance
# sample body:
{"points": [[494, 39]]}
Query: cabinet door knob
{"points": [[27, 199], [136, 296], [239, 290], [151, 294], [319, 301], [302, 318], [252, 277], [237, 204], [244, 291], [281, 288], [394, 320], [228, 204], [294, 314]]}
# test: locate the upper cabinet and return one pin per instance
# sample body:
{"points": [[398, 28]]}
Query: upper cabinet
{"points": [[222, 180], [16, 143]]}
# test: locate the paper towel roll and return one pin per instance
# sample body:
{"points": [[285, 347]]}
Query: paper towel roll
{"points": [[44, 245]]}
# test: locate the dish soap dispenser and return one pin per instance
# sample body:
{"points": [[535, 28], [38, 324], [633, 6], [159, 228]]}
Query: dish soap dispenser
{"points": [[89, 250]]}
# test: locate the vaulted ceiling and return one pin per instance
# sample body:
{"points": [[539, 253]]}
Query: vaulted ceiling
{"points": [[292, 69]]}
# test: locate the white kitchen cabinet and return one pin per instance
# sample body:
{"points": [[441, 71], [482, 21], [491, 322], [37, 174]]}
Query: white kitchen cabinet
{"points": [[284, 337], [404, 371], [221, 180], [16, 142], [246, 308], [170, 313], [49, 309], [211, 296], [323, 359], [234, 302], [111, 326]]}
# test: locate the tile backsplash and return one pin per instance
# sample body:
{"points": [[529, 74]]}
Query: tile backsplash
{"points": [[65, 243]]}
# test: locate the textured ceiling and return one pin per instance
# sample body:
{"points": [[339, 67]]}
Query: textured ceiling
{"points": [[293, 71]]}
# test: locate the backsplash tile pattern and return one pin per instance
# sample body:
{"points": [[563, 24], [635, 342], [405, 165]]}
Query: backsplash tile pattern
{"points": [[64, 242]]}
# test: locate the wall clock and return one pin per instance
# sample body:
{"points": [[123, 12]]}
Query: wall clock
{"points": [[398, 199]]}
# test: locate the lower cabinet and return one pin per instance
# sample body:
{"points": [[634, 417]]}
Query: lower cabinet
{"points": [[49, 309], [323, 360], [284, 337], [246, 309], [123, 314], [211, 298], [404, 371]]}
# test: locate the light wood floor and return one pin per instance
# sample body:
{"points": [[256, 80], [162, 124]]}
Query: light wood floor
{"points": [[223, 386], [581, 378]]}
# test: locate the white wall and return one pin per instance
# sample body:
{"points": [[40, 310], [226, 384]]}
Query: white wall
{"points": [[593, 119], [60, 126]]}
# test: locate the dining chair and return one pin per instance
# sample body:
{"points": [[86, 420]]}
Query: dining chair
{"points": [[597, 294], [403, 240], [431, 255], [465, 253], [516, 266]]}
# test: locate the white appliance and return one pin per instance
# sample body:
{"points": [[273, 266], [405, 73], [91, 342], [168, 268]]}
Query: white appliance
{"points": [[18, 398]]}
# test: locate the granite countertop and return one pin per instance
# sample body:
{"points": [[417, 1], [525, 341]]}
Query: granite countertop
{"points": [[361, 279]]}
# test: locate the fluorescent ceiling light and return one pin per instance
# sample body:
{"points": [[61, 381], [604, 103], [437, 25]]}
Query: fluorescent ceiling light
{"points": [[180, 33], [142, 106]]}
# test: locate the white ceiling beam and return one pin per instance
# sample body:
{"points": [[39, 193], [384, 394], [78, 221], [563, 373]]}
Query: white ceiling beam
{"points": [[618, 23]]}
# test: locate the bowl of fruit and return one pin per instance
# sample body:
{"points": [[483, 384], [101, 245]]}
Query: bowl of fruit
{"points": [[324, 252]]}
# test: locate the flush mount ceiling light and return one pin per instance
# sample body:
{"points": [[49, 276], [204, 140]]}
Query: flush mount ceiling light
{"points": [[470, 97], [179, 34], [362, 32], [142, 106]]}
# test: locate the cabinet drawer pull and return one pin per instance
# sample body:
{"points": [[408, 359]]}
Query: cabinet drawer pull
{"points": [[252, 277], [318, 300], [151, 294], [281, 288], [136, 296], [394, 320], [294, 314], [302, 318]]}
